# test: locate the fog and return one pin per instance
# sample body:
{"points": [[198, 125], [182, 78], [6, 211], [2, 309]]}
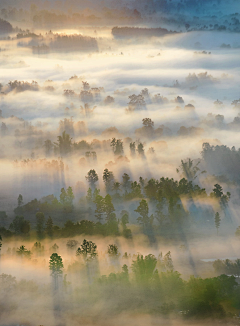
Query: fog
{"points": [[119, 160]]}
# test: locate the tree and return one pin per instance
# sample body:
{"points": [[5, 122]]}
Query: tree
{"points": [[126, 182], [70, 196], [217, 221], [136, 102], [100, 205], [55, 247], [143, 210], [20, 200], [237, 267], [88, 250], [148, 123], [135, 191], [92, 178], [108, 179], [189, 170], [218, 191], [125, 272], [63, 196], [71, 244], [56, 268], [64, 143], [66, 198], [40, 224], [0, 242], [56, 264], [167, 261], [113, 250], [20, 225], [220, 196], [89, 196], [143, 268], [117, 146], [49, 227], [124, 219], [85, 85], [140, 149], [86, 110], [108, 207], [23, 252], [116, 186], [132, 148]]}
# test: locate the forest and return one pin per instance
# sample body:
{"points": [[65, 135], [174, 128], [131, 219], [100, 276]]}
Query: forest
{"points": [[119, 162]]}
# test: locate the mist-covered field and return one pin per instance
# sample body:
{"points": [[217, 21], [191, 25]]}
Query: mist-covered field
{"points": [[120, 162]]}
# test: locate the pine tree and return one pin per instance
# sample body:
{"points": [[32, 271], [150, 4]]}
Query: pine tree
{"points": [[92, 178], [56, 264], [88, 249], [20, 200], [56, 268], [217, 221]]}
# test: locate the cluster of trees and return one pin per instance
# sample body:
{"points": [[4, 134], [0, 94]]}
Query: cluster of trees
{"points": [[131, 32], [87, 94], [57, 42], [153, 279], [47, 204], [76, 42], [44, 227], [5, 27], [227, 267], [222, 160], [21, 86], [156, 201]]}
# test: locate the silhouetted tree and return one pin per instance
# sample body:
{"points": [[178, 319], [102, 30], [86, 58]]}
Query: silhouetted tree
{"points": [[148, 123], [143, 210], [88, 250], [71, 244], [126, 183], [23, 252], [108, 207], [92, 178], [217, 221], [143, 268], [220, 196], [116, 186], [132, 148], [189, 170], [100, 205], [20, 225], [108, 179], [63, 144], [56, 268], [113, 250], [140, 149], [117, 146], [20, 200]]}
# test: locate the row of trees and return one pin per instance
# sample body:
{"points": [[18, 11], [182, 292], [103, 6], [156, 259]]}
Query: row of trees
{"points": [[156, 278], [163, 197], [49, 204]]}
